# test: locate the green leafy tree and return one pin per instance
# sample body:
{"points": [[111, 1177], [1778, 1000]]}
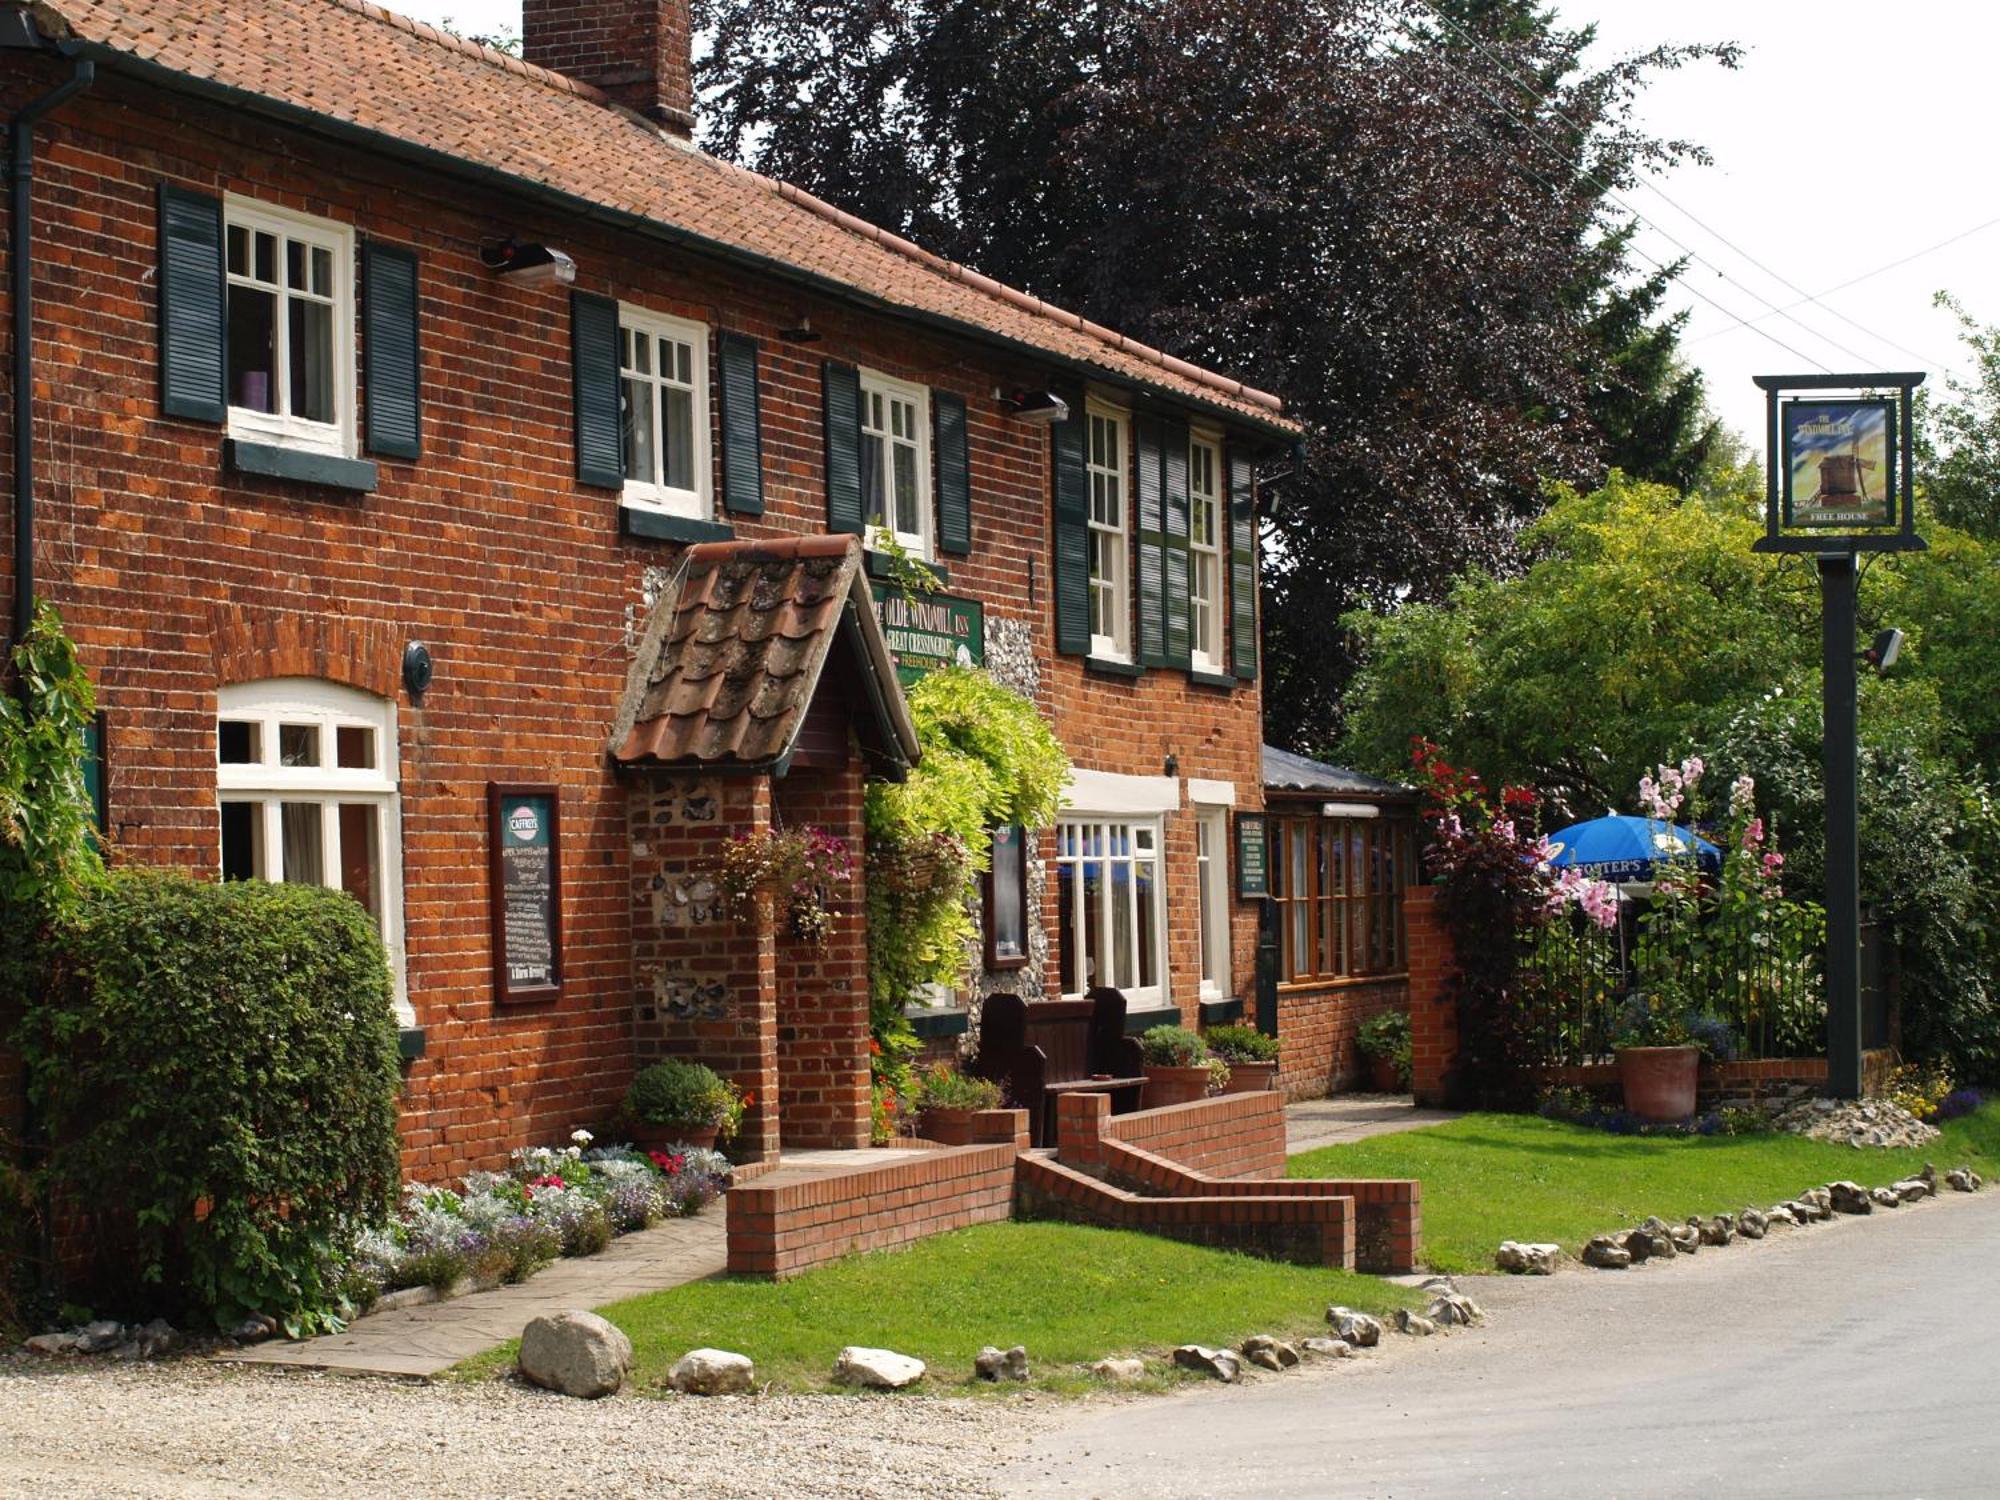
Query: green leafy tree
{"points": [[1959, 432]]}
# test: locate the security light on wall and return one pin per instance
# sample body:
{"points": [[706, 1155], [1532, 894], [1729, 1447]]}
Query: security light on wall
{"points": [[1888, 646], [1038, 408], [527, 264]]}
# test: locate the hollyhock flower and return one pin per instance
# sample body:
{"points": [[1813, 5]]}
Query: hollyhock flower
{"points": [[1742, 795]]}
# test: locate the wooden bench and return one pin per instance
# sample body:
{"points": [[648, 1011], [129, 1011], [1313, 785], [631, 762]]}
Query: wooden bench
{"points": [[1039, 1052]]}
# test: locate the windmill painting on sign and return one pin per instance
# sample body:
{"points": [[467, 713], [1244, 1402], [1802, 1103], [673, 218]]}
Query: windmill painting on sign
{"points": [[1839, 465]]}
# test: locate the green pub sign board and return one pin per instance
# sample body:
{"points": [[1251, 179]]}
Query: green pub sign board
{"points": [[1253, 862], [525, 891], [928, 631]]}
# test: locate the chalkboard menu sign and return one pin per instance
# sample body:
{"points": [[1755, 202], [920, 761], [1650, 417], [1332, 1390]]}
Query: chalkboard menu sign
{"points": [[1253, 861], [524, 870]]}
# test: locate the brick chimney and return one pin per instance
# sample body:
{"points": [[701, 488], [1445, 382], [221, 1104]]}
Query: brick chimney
{"points": [[637, 51]]}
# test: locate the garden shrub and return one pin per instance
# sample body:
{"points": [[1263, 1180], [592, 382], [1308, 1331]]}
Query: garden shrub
{"points": [[218, 1071], [690, 1094], [943, 1087], [1241, 1044], [1172, 1047]]}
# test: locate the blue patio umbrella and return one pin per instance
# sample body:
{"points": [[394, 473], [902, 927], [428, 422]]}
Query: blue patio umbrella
{"points": [[1623, 849]]}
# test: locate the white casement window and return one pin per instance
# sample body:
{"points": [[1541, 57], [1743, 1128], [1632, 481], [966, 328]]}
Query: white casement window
{"points": [[1110, 539], [663, 393], [1205, 554], [896, 461], [305, 781], [291, 328], [1212, 881], [1113, 908]]}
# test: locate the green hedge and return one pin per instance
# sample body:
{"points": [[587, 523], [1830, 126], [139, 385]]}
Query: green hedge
{"points": [[229, 1045]]}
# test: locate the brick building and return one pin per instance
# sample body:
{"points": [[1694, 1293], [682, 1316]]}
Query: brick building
{"points": [[392, 402]]}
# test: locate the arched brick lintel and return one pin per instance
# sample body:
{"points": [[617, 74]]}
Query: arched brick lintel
{"points": [[250, 645]]}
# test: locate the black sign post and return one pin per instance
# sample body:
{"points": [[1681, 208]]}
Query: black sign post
{"points": [[524, 886], [1840, 481]]}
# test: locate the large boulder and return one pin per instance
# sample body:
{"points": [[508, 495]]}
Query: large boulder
{"points": [[712, 1372], [1719, 1230], [1527, 1259], [1606, 1254], [95, 1338], [577, 1353], [1358, 1328], [1752, 1225], [1327, 1348], [1413, 1323], [1001, 1364], [1218, 1364], [1913, 1189], [1120, 1371], [878, 1369], [1850, 1198], [1269, 1353], [1962, 1180]]}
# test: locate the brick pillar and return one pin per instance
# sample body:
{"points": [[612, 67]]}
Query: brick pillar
{"points": [[1080, 1121], [821, 996], [1433, 1021]]}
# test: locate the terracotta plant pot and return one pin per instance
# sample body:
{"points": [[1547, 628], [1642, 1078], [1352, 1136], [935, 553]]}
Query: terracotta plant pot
{"points": [[949, 1127], [1384, 1077], [1251, 1077], [660, 1137], [1660, 1082], [1166, 1086]]}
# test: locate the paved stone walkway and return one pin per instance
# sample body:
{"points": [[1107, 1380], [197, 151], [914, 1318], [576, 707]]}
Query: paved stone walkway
{"points": [[1354, 1117], [424, 1341]]}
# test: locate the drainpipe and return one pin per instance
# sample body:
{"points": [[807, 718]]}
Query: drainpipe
{"points": [[20, 223]]}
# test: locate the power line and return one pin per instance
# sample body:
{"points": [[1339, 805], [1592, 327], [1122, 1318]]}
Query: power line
{"points": [[1689, 287], [1528, 123]]}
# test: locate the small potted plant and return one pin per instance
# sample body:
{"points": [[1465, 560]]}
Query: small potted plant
{"points": [[1659, 1041], [1384, 1041], [682, 1103], [1175, 1061], [948, 1103], [1251, 1055]]}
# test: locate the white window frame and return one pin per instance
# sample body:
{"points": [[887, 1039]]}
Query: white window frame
{"points": [[1205, 563], [1111, 592], [280, 428], [873, 384], [655, 494], [268, 784], [1212, 877], [1067, 866]]}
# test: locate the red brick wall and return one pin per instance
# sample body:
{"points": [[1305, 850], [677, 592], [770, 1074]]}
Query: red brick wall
{"points": [[637, 51], [1316, 1029], [173, 572], [780, 1229], [1433, 1022], [1231, 1135]]}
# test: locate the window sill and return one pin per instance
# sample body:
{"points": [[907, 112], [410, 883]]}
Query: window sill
{"points": [[1222, 1008], [1214, 680], [929, 1022], [1107, 666], [654, 526], [1137, 1021], [276, 462], [881, 565], [1342, 981]]}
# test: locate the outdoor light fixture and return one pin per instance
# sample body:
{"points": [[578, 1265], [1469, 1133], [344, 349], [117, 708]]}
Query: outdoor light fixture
{"points": [[1173, 765], [802, 332], [1882, 655], [1037, 408], [527, 264]]}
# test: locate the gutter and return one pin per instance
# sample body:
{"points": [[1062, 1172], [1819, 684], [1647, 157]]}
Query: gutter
{"points": [[347, 133], [21, 228]]}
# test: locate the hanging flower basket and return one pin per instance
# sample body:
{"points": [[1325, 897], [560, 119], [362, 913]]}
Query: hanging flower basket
{"points": [[917, 868], [801, 870]]}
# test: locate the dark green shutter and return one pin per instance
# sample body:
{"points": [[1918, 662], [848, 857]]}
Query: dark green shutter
{"points": [[1174, 536], [392, 361], [1152, 545], [1071, 529], [742, 436], [600, 434], [1242, 503], [193, 306], [954, 473], [840, 402]]}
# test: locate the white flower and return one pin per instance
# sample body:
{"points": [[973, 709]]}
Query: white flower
{"points": [[582, 1138]]}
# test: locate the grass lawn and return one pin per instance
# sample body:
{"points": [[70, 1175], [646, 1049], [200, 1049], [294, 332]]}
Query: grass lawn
{"points": [[1489, 1177], [1071, 1294]]}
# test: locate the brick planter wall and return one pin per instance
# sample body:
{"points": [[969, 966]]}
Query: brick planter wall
{"points": [[779, 1228], [1232, 1135], [1317, 1027]]}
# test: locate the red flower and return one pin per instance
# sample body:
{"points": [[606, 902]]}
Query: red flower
{"points": [[548, 1180]]}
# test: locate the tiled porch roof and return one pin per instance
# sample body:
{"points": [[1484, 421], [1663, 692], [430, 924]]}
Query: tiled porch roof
{"points": [[351, 68], [735, 650]]}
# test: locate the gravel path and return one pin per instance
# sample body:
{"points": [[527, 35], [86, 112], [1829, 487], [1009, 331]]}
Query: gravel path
{"points": [[194, 1429]]}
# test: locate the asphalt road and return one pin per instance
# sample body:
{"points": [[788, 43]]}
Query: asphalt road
{"points": [[1854, 1358]]}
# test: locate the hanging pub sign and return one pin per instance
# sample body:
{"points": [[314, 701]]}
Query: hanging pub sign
{"points": [[928, 631], [524, 874], [1839, 463], [1253, 859]]}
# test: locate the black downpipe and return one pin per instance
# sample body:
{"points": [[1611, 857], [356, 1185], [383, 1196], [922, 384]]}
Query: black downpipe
{"points": [[20, 224]]}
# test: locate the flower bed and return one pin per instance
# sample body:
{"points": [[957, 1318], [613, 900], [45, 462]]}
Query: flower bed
{"points": [[499, 1227]]}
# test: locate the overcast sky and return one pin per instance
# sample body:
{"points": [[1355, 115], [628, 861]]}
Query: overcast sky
{"points": [[1848, 141]]}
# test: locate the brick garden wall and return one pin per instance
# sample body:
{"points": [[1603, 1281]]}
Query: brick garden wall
{"points": [[1231, 1135], [1433, 1022], [1317, 1026], [176, 576]]}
